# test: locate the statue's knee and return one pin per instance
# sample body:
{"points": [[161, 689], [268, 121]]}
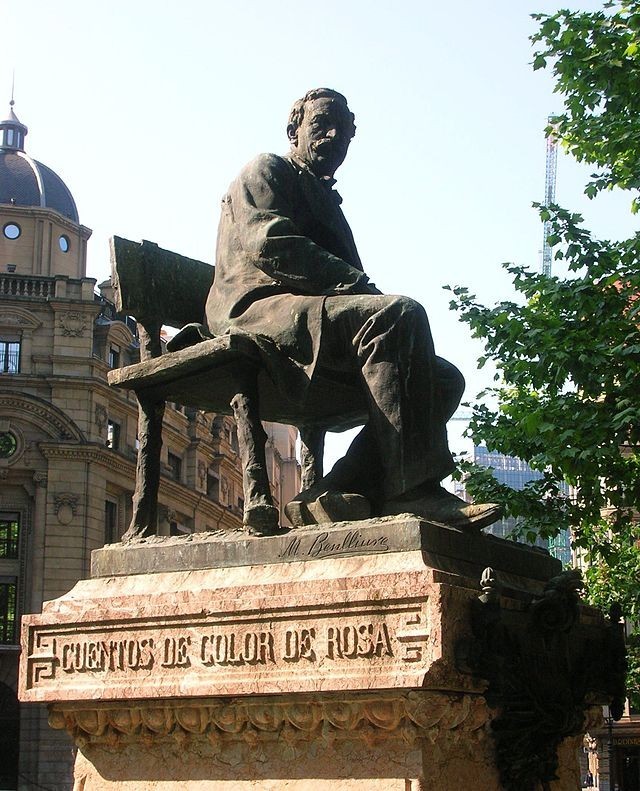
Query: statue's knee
{"points": [[451, 383], [459, 385], [408, 308]]}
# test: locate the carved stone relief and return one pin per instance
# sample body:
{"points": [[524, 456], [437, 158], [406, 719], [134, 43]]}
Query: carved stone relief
{"points": [[294, 723], [17, 317], [202, 474], [166, 514], [40, 478], [101, 418], [73, 323], [66, 506], [224, 491], [546, 666]]}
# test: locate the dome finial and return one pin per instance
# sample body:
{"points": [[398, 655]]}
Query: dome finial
{"points": [[12, 131]]}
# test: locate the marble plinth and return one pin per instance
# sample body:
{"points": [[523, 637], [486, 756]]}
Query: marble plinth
{"points": [[315, 660]]}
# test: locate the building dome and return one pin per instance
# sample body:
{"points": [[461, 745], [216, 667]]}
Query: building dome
{"points": [[26, 182]]}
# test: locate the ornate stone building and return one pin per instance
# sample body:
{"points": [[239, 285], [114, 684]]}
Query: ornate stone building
{"points": [[68, 441]]}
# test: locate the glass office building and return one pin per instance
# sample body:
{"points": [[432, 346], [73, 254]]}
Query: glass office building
{"points": [[516, 473]]}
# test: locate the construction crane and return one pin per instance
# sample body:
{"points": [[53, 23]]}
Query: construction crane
{"points": [[551, 170]]}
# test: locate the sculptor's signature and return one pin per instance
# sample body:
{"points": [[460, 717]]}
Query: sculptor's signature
{"points": [[328, 545]]}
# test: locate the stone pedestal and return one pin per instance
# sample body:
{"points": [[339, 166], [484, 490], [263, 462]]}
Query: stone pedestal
{"points": [[321, 659]]}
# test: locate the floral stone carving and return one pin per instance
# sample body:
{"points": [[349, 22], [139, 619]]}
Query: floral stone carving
{"points": [[298, 722], [547, 664]]}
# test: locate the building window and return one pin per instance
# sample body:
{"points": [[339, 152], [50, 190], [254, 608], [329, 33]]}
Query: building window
{"points": [[178, 529], [175, 463], [110, 522], [8, 444], [8, 589], [11, 230], [114, 356], [9, 535], [213, 487], [9, 357], [113, 435], [64, 243]]}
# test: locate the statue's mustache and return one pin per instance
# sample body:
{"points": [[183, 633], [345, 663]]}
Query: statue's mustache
{"points": [[328, 144]]}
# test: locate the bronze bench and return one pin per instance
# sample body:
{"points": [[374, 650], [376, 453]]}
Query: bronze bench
{"points": [[225, 374]]}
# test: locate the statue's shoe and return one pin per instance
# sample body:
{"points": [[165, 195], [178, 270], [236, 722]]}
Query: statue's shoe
{"points": [[315, 508], [445, 508], [261, 520]]}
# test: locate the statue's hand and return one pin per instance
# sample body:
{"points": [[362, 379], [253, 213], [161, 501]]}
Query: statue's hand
{"points": [[361, 286]]}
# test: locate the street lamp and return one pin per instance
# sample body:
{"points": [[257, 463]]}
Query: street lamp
{"points": [[609, 722]]}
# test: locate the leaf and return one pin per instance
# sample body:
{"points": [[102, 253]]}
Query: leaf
{"points": [[539, 62]]}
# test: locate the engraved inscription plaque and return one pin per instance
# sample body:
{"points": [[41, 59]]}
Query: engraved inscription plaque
{"points": [[231, 652]]}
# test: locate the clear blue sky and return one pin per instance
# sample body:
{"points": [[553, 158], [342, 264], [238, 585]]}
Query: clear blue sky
{"points": [[148, 109]]}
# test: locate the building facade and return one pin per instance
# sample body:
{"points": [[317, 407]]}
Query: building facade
{"points": [[516, 473], [68, 441]]}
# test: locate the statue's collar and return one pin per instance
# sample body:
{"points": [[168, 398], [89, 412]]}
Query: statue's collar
{"points": [[325, 181]]}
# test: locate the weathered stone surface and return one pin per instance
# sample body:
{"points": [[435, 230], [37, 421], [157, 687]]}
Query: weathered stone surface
{"points": [[461, 552], [416, 741], [352, 742], [331, 666], [367, 622], [380, 610]]}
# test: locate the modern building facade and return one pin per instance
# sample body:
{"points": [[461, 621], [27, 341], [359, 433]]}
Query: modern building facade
{"points": [[68, 441], [516, 473]]}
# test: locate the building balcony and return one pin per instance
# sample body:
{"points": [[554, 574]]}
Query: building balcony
{"points": [[45, 288]]}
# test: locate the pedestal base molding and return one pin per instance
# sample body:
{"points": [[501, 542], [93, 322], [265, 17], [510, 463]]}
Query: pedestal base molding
{"points": [[294, 724], [349, 658]]}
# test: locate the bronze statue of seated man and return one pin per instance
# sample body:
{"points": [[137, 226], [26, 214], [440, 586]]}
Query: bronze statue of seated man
{"points": [[287, 270]]}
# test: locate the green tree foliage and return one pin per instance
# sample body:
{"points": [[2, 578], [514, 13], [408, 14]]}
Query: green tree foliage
{"points": [[567, 350], [596, 63]]}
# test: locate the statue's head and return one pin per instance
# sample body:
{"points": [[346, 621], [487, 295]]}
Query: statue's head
{"points": [[320, 129]]}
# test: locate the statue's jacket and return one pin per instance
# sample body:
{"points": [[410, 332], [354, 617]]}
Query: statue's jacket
{"points": [[283, 247]]}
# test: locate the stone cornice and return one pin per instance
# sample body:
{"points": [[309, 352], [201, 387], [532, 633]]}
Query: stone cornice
{"points": [[295, 722], [97, 385], [172, 491], [42, 213], [95, 453], [52, 419], [78, 304], [190, 499], [18, 382]]}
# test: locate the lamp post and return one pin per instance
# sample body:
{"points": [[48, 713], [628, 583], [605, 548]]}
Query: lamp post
{"points": [[609, 722]]}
